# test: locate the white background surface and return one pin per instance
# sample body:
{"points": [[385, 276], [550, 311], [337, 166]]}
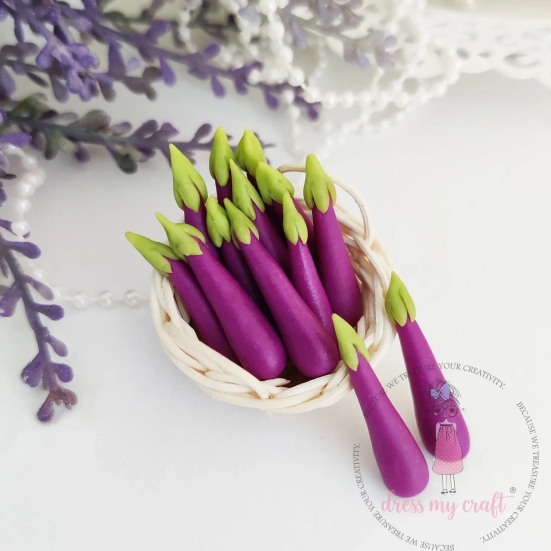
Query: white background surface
{"points": [[460, 195]]}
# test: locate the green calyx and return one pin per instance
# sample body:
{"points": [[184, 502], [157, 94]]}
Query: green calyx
{"points": [[294, 225], [243, 193], [182, 238], [241, 226], [350, 343], [272, 184], [249, 153], [218, 225], [220, 155], [319, 189], [189, 186], [399, 304], [155, 253]]}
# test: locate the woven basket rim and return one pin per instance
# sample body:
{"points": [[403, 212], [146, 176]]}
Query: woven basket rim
{"points": [[225, 380]]}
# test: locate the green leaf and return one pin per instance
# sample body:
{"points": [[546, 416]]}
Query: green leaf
{"points": [[319, 189], [155, 253], [65, 144], [218, 225], [241, 226], [249, 152], [93, 121], [52, 146], [220, 156], [182, 238], [398, 303], [244, 194], [273, 185], [125, 161], [294, 225], [189, 186], [350, 343]]}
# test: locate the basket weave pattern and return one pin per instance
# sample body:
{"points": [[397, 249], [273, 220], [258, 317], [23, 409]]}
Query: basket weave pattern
{"points": [[227, 381]]}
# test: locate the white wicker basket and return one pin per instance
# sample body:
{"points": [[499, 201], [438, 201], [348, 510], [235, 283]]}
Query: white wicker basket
{"points": [[226, 381]]}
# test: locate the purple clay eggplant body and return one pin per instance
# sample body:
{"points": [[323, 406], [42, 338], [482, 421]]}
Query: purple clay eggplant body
{"points": [[254, 341], [165, 261], [247, 199], [220, 155], [304, 274], [333, 262], [273, 186], [220, 233], [308, 343], [190, 193], [401, 462], [434, 399]]}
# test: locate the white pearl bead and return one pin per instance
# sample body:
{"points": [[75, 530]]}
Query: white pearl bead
{"points": [[294, 112], [254, 77], [106, 299], [132, 299], [57, 291], [311, 94], [39, 274], [267, 7], [20, 228], [22, 206], [329, 101], [296, 77], [439, 90], [286, 55], [347, 100], [80, 300], [288, 96], [25, 188], [29, 162], [276, 30], [37, 176]]}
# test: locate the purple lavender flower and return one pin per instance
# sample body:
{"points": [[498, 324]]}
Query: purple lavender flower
{"points": [[71, 68], [42, 368]]}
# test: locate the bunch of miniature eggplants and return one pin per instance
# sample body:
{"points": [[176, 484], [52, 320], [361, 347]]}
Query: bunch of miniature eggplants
{"points": [[266, 286]]}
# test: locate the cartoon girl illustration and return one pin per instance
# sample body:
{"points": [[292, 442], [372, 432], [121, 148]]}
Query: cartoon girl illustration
{"points": [[448, 454]]}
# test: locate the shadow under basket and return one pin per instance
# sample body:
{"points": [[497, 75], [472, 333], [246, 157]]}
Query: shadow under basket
{"points": [[229, 382]]}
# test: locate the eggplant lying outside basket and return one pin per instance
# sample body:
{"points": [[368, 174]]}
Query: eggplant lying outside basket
{"points": [[229, 382]]}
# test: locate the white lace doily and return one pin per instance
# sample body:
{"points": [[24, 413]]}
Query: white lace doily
{"points": [[516, 47]]}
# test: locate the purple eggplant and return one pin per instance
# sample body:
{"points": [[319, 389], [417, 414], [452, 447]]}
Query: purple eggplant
{"points": [[163, 259], [334, 264], [220, 155], [190, 193], [433, 398], [401, 462], [220, 233], [304, 274], [308, 343], [254, 341], [248, 201]]}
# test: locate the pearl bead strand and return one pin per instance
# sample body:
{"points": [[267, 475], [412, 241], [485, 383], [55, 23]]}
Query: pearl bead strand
{"points": [[25, 186]]}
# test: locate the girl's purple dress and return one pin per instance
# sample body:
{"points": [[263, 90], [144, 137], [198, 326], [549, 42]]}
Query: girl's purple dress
{"points": [[448, 454]]}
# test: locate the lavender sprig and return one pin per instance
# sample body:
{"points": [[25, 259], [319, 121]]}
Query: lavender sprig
{"points": [[52, 132], [42, 368], [73, 69]]}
